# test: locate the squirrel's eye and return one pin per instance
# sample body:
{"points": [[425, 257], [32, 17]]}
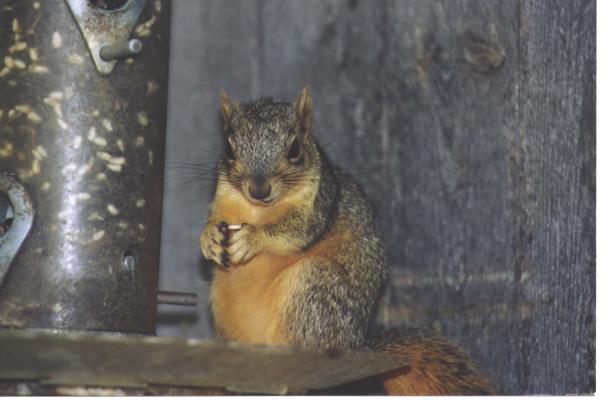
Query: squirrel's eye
{"points": [[229, 151], [294, 151]]}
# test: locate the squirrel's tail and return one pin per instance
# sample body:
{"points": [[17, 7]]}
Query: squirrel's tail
{"points": [[436, 367]]}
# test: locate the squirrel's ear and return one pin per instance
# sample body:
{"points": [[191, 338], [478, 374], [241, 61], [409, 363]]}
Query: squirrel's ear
{"points": [[228, 106], [303, 106]]}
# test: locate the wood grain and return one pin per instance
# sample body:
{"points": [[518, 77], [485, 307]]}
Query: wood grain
{"points": [[123, 361]]}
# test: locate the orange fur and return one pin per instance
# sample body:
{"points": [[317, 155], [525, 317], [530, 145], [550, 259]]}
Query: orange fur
{"points": [[249, 300], [412, 380], [435, 368], [409, 383]]}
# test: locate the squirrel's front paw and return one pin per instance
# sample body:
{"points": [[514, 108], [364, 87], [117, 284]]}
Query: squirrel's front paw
{"points": [[242, 245], [213, 242]]}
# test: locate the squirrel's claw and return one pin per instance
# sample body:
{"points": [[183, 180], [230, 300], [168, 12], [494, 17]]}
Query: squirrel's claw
{"points": [[212, 243], [225, 259], [241, 245]]}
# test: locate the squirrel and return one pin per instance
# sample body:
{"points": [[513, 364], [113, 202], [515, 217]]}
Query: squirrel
{"points": [[299, 259]]}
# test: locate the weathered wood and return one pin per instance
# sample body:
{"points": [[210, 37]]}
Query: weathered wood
{"points": [[106, 360], [471, 124]]}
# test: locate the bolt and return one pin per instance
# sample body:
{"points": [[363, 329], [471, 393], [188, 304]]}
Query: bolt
{"points": [[121, 50]]}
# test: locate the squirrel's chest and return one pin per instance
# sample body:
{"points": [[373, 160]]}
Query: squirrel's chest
{"points": [[248, 302]]}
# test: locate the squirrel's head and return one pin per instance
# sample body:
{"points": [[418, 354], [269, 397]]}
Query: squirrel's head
{"points": [[269, 147]]}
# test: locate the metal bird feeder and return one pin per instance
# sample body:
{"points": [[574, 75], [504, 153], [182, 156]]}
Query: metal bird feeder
{"points": [[82, 136]]}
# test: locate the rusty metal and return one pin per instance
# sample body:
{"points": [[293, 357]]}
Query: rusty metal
{"points": [[104, 28], [177, 298], [89, 149], [22, 211], [136, 362]]}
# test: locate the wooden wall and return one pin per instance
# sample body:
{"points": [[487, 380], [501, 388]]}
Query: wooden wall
{"points": [[471, 124]]}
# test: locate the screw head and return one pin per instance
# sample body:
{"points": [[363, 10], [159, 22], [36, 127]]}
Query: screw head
{"points": [[129, 259]]}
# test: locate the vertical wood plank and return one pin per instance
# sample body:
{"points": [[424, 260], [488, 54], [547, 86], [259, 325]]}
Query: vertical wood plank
{"points": [[556, 115], [451, 103]]}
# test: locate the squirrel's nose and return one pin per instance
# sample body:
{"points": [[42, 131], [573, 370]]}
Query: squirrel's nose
{"points": [[260, 189]]}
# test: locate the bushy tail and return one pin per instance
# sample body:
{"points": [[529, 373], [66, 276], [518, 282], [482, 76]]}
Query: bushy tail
{"points": [[436, 367]]}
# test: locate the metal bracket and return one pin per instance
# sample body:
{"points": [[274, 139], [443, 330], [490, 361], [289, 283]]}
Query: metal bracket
{"points": [[108, 31], [23, 217]]}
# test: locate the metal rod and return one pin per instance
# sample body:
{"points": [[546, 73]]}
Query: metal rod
{"points": [[177, 298], [121, 50]]}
